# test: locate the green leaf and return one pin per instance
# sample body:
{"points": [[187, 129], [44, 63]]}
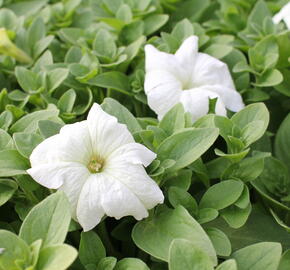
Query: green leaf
{"points": [[132, 31], [67, 101], [220, 241], [219, 50], [29, 122], [27, 79], [112, 80], [285, 261], [56, 257], [7, 189], [154, 235], [246, 170], [55, 78], [178, 196], [282, 141], [269, 78], [131, 264], [261, 256], [252, 113], [123, 115], [228, 265], [26, 142], [12, 163], [124, 13], [104, 44], [15, 251], [264, 55], [222, 195], [48, 128], [260, 226], [36, 31], [49, 220], [27, 8], [185, 255], [186, 146], [107, 263], [183, 30], [235, 216], [153, 22], [6, 141], [206, 215], [91, 249], [6, 118], [173, 120]]}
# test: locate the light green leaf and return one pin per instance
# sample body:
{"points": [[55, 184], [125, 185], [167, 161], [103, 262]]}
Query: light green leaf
{"points": [[153, 22], [228, 265], [131, 264], [49, 220], [173, 120], [26, 142], [91, 249], [7, 189], [282, 142], [220, 241], [222, 195], [185, 255], [56, 257], [29, 122], [155, 235], [123, 115], [12, 163], [261, 256], [55, 78], [113, 80], [15, 250], [186, 146]]}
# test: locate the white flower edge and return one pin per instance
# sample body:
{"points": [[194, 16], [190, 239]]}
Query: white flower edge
{"points": [[167, 77], [283, 14], [121, 188]]}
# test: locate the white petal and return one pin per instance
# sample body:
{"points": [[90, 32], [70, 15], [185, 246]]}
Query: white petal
{"points": [[134, 153], [135, 178], [163, 91], [106, 133], [187, 53], [54, 175], [230, 97], [119, 201], [284, 14], [73, 144], [196, 101], [89, 208], [73, 185], [211, 71], [157, 60]]}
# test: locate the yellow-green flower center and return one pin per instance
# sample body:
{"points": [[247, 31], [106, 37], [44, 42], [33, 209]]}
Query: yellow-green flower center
{"points": [[95, 165]]}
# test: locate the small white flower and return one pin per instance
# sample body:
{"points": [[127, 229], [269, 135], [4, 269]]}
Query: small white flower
{"points": [[2, 250], [284, 15], [191, 78], [99, 166]]}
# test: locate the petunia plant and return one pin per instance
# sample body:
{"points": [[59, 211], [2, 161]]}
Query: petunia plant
{"points": [[144, 135]]}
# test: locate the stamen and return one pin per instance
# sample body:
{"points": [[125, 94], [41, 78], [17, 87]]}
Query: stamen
{"points": [[95, 165]]}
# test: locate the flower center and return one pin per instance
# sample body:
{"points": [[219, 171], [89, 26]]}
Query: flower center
{"points": [[96, 165]]}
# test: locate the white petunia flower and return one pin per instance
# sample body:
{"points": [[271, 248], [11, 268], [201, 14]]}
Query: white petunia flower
{"points": [[191, 78], [99, 166], [284, 15]]}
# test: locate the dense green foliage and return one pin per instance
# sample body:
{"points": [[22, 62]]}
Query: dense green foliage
{"points": [[226, 180]]}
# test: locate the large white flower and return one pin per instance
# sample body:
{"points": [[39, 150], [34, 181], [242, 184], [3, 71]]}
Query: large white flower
{"points": [[99, 166], [284, 15], [191, 78]]}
